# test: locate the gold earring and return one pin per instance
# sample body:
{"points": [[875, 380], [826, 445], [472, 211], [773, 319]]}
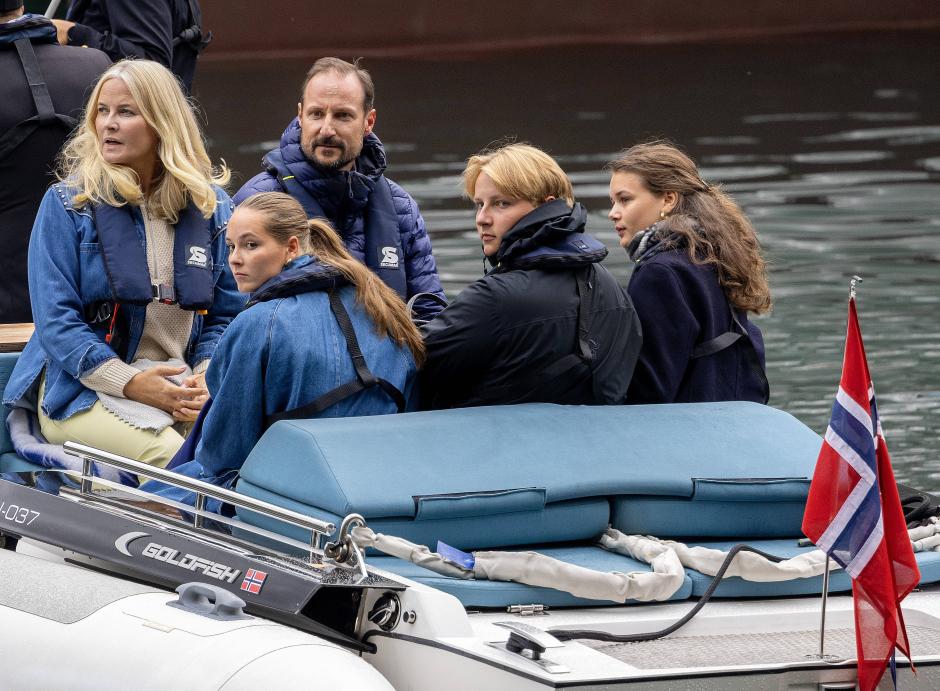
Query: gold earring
{"points": [[662, 214]]}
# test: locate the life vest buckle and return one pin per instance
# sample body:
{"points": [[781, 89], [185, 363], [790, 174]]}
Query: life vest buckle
{"points": [[99, 312], [164, 294]]}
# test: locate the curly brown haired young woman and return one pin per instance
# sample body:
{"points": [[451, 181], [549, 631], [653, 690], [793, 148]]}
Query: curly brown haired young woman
{"points": [[699, 271]]}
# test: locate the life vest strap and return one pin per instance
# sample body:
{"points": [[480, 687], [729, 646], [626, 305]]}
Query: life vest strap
{"points": [[37, 84], [45, 111], [728, 339], [365, 379], [569, 370]]}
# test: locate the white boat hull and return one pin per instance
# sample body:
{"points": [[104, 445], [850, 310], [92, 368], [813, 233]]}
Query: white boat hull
{"points": [[749, 644], [67, 627]]}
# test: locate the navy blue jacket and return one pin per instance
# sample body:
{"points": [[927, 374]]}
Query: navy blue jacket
{"points": [[138, 29], [502, 339], [682, 305], [344, 197]]}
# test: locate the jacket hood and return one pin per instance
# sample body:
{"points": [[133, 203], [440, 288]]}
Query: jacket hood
{"points": [[305, 274], [550, 236], [35, 27]]}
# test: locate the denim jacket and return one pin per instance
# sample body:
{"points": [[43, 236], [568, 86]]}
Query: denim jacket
{"points": [[281, 353], [66, 275]]}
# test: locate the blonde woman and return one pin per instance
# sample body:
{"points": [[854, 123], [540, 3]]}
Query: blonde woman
{"points": [[127, 267], [699, 271], [294, 352], [547, 323]]}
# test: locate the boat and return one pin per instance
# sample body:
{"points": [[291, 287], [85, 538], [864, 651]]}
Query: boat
{"points": [[291, 591]]}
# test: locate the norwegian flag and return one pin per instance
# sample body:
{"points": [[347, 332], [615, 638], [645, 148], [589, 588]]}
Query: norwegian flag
{"points": [[853, 513], [254, 581]]}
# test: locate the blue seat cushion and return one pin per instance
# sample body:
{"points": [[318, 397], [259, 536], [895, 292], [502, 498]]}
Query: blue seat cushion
{"points": [[472, 593], [7, 361], [839, 581], [498, 465], [11, 463], [582, 519], [746, 507]]}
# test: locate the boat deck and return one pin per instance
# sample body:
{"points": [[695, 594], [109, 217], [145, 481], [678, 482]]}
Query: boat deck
{"points": [[727, 650]]}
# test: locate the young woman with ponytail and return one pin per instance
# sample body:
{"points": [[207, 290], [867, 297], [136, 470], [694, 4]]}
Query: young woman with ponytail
{"points": [[699, 271], [289, 354]]}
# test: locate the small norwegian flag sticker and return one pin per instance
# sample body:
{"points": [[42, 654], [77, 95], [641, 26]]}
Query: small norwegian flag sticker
{"points": [[254, 581]]}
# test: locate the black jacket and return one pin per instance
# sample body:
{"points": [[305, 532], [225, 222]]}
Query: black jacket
{"points": [[143, 29], [26, 171], [513, 335], [682, 306]]}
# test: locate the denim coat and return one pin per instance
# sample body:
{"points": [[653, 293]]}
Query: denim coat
{"points": [[66, 275], [281, 353]]}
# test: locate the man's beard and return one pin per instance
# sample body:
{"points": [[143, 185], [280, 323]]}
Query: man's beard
{"points": [[330, 166]]}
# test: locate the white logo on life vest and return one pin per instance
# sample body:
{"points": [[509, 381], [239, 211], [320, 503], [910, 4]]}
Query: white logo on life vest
{"points": [[197, 256], [389, 258]]}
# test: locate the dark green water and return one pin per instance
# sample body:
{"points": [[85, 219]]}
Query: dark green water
{"points": [[832, 146]]}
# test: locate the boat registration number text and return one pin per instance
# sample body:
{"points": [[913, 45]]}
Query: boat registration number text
{"points": [[17, 514]]}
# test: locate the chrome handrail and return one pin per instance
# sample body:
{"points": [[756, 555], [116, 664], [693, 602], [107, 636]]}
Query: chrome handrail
{"points": [[318, 528]]}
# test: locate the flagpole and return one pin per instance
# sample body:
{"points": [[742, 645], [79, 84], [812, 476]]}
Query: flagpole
{"points": [[854, 282], [822, 623], [825, 586]]}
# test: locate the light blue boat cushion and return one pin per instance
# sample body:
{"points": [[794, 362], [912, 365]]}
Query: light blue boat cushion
{"points": [[502, 594], [7, 360], [578, 519], [11, 463], [505, 475], [748, 507], [928, 562]]}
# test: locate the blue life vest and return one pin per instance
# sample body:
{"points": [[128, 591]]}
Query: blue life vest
{"points": [[382, 234], [125, 259]]}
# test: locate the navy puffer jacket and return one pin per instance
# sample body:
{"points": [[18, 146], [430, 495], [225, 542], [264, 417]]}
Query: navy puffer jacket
{"points": [[344, 197]]}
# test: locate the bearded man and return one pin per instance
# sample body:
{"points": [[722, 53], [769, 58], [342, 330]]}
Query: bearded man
{"points": [[330, 160]]}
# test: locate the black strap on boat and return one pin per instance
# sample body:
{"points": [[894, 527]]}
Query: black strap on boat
{"points": [[365, 379], [45, 111], [918, 506], [573, 634]]}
